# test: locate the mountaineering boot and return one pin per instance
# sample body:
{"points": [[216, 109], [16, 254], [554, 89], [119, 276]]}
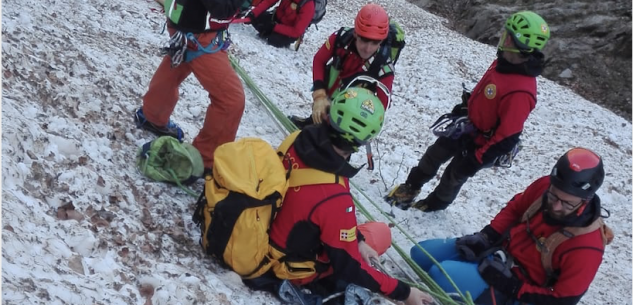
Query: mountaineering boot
{"points": [[431, 204], [301, 122], [402, 196], [172, 129]]}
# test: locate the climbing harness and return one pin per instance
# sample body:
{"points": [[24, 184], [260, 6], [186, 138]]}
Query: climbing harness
{"points": [[451, 126], [185, 47]]}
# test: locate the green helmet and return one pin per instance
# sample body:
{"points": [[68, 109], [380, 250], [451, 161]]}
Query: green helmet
{"points": [[528, 31], [357, 114]]}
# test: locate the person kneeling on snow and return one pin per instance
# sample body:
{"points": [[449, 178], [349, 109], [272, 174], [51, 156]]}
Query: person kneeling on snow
{"points": [[315, 240], [284, 24], [544, 247], [347, 54]]}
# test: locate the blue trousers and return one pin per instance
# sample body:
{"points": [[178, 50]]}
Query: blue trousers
{"points": [[463, 273]]}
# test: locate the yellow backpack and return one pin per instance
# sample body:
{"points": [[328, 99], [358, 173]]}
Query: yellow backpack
{"points": [[241, 199]]}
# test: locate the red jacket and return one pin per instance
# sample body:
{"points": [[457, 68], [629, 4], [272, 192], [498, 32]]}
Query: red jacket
{"points": [[499, 106], [577, 259], [292, 21], [319, 221], [352, 65]]}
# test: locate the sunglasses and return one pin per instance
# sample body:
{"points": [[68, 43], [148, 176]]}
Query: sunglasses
{"points": [[519, 47]]}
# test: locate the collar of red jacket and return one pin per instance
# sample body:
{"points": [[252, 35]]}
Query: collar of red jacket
{"points": [[314, 147]]}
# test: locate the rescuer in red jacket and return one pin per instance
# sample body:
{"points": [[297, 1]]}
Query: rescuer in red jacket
{"points": [[284, 24], [315, 236], [506, 261], [495, 111], [347, 54]]}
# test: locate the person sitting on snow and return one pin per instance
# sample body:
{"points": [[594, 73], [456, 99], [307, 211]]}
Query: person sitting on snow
{"points": [[315, 236], [346, 54], [284, 24], [514, 260]]}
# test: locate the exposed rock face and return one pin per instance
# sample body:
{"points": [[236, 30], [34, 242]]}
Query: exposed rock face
{"points": [[590, 48]]}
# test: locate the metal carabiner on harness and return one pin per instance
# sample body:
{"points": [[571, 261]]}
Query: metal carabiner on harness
{"points": [[176, 48], [507, 159]]}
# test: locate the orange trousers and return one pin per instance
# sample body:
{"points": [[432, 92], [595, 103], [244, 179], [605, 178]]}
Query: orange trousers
{"points": [[217, 77]]}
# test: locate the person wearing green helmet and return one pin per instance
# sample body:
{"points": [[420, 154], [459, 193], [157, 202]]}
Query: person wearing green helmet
{"points": [[316, 237], [484, 129]]}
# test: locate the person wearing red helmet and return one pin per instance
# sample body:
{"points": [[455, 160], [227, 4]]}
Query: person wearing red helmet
{"points": [[544, 247], [340, 61]]}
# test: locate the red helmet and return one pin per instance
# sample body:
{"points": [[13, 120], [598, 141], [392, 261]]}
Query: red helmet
{"points": [[372, 22], [578, 172]]}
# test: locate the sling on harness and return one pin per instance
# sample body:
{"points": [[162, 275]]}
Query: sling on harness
{"points": [[185, 47]]}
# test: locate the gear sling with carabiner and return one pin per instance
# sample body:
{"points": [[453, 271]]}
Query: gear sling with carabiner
{"points": [[184, 47]]}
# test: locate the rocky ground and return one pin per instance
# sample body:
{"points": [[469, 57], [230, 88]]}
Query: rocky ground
{"points": [[590, 48]]}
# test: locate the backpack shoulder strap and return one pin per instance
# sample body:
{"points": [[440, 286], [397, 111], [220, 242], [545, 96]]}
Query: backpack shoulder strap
{"points": [[305, 176], [557, 238], [302, 3], [286, 143], [311, 176], [531, 211], [343, 37]]}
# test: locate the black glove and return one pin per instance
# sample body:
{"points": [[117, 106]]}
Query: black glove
{"points": [[264, 24], [496, 272], [265, 29], [468, 165], [471, 246]]}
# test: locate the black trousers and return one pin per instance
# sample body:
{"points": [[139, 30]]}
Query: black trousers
{"points": [[440, 152]]}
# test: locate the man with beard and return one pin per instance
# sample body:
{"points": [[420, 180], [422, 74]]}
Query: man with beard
{"points": [[488, 122], [544, 247]]}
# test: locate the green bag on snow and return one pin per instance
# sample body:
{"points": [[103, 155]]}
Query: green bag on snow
{"points": [[166, 159]]}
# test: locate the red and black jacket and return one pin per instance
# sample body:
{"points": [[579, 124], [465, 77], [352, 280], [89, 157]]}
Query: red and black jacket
{"points": [[498, 107], [319, 221], [199, 16], [292, 20], [575, 261], [351, 65]]}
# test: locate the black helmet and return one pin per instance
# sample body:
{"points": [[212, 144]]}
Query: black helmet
{"points": [[578, 172]]}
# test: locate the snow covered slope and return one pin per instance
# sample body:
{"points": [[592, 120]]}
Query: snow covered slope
{"points": [[81, 226]]}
